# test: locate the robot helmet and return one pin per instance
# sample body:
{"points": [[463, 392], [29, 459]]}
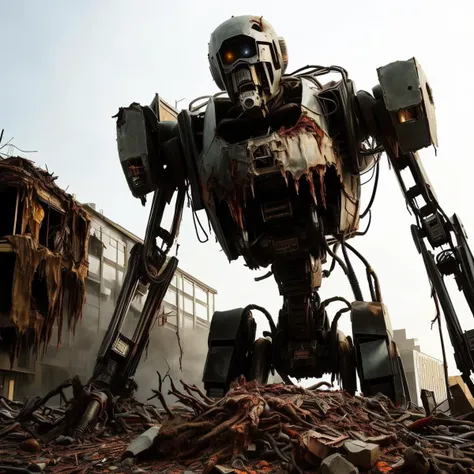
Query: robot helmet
{"points": [[247, 59]]}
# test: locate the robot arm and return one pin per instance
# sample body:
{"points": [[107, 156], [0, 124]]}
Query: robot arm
{"points": [[401, 117], [152, 161]]}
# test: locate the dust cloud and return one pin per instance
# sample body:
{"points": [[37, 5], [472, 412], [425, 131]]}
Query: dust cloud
{"points": [[78, 352], [163, 355]]}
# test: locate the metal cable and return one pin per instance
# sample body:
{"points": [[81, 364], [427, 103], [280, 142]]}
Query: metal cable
{"points": [[351, 275]]}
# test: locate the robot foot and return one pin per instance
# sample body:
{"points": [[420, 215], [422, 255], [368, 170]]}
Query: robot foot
{"points": [[345, 366], [378, 361], [233, 352]]}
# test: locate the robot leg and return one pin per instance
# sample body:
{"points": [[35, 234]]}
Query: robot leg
{"points": [[234, 352], [378, 360]]}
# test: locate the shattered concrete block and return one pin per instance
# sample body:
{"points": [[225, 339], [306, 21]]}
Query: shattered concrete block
{"points": [[337, 464], [320, 444], [362, 454], [141, 443]]}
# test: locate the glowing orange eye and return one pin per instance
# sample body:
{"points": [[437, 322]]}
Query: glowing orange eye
{"points": [[229, 57]]}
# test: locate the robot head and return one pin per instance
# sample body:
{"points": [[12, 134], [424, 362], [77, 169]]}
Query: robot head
{"points": [[247, 59]]}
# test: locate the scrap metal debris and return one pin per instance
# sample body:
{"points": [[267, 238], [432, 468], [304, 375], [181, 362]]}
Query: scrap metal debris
{"points": [[44, 237], [253, 429]]}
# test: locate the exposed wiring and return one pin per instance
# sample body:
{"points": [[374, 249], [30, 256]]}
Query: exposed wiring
{"points": [[321, 99], [16, 148], [346, 267], [196, 220], [334, 324], [328, 301], [311, 72], [327, 273], [372, 151], [264, 277], [372, 169], [319, 71], [200, 106], [366, 229], [374, 191], [351, 275], [375, 291], [273, 331], [273, 328], [333, 340], [336, 258], [356, 233], [203, 104], [444, 256], [374, 148]]}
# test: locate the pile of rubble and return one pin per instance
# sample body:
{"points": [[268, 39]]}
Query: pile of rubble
{"points": [[253, 429]]}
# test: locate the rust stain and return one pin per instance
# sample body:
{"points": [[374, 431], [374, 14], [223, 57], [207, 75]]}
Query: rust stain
{"points": [[258, 20]]}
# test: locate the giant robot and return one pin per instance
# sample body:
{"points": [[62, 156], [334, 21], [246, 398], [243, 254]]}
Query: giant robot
{"points": [[275, 161]]}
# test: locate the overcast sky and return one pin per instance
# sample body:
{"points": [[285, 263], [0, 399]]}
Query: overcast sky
{"points": [[67, 67]]}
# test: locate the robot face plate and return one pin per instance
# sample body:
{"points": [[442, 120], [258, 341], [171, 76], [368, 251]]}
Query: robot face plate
{"points": [[247, 59]]}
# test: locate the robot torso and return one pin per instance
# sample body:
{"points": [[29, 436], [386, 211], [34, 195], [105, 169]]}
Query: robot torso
{"points": [[276, 185]]}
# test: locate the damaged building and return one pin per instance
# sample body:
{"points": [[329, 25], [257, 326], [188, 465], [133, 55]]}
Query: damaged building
{"points": [[423, 372], [44, 235], [40, 276]]}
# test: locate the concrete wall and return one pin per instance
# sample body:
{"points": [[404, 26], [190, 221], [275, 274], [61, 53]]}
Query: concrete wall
{"points": [[431, 375], [422, 371]]}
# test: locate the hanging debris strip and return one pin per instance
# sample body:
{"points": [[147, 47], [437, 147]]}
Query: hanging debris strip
{"points": [[44, 236]]}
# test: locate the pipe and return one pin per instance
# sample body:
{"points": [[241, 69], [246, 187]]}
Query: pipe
{"points": [[95, 407]]}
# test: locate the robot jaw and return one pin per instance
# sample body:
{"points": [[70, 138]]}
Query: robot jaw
{"points": [[245, 87]]}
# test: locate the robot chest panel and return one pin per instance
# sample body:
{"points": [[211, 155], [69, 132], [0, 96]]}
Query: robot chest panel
{"points": [[296, 152]]}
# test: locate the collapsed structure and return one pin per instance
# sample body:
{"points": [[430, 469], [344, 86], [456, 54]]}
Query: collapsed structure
{"points": [[44, 236]]}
